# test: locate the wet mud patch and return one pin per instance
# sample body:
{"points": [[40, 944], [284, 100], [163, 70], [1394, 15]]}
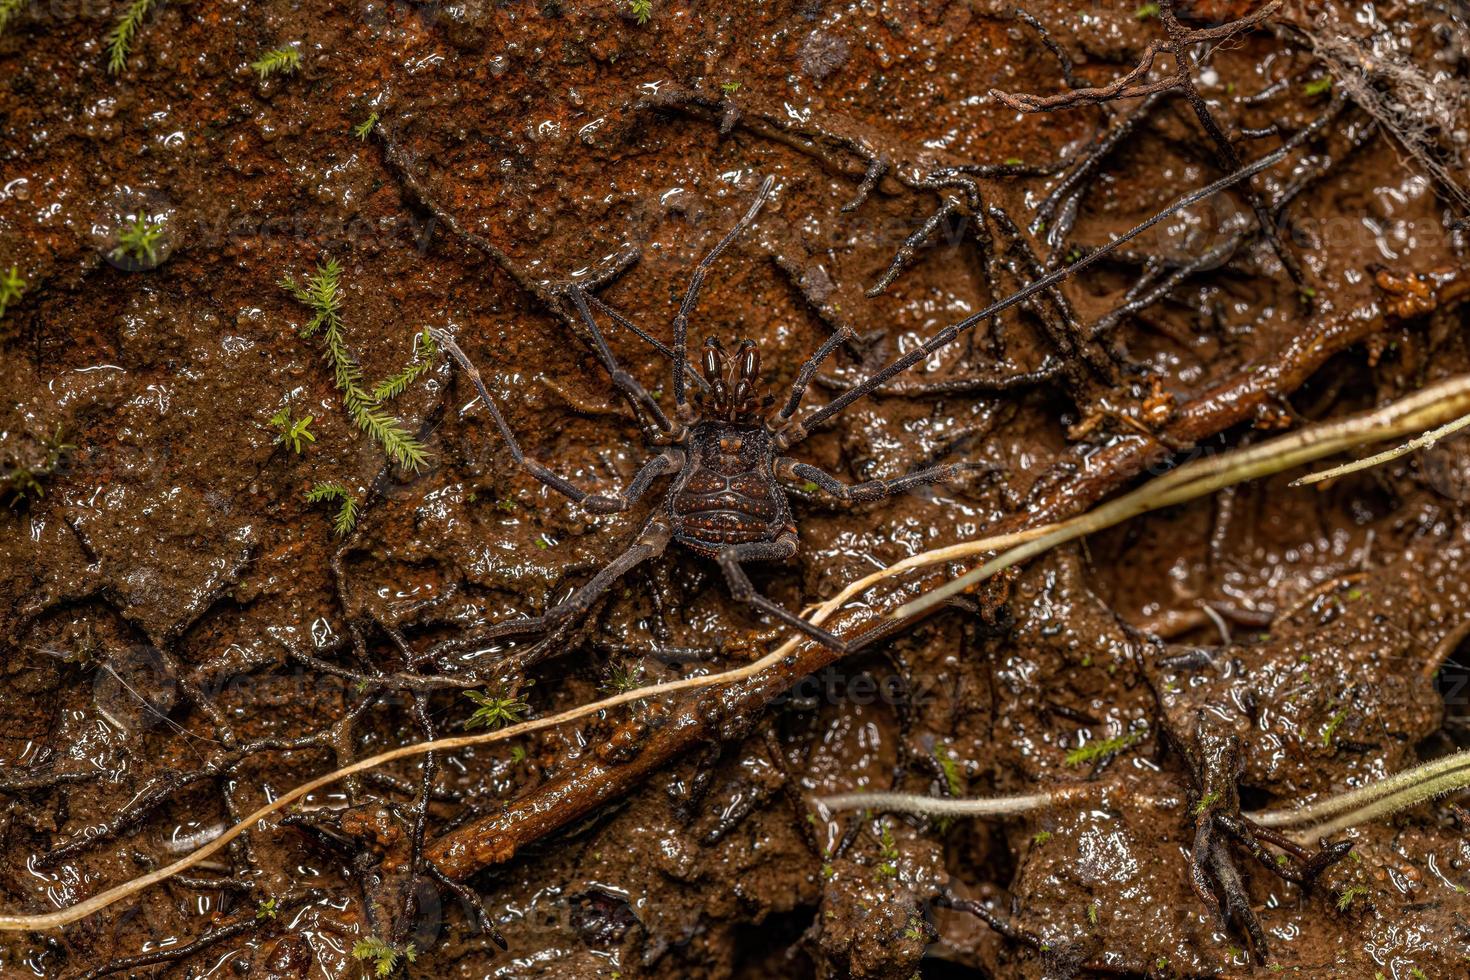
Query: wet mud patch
{"points": [[215, 585]]}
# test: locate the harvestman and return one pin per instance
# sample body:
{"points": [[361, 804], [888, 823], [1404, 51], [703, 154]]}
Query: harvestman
{"points": [[727, 501]]}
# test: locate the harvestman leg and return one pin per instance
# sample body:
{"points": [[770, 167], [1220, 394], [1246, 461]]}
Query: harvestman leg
{"points": [[789, 469], [651, 543], [621, 379], [671, 460], [743, 590], [696, 282]]}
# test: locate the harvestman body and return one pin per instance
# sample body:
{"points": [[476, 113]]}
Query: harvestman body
{"points": [[727, 501]]}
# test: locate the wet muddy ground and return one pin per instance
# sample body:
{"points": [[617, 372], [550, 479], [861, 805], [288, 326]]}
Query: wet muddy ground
{"points": [[186, 635]]}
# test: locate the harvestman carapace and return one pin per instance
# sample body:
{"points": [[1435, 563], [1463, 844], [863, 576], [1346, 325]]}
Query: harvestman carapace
{"points": [[726, 457]]}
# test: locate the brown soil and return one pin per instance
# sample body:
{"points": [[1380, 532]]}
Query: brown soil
{"points": [[185, 637]]}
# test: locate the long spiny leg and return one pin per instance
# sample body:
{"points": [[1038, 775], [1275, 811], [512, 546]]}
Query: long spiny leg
{"points": [[790, 469], [652, 341], [696, 281], [671, 460], [743, 590], [798, 430], [551, 295], [651, 543], [621, 379]]}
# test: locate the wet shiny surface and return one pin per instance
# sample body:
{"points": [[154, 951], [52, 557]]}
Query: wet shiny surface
{"points": [[178, 528]]}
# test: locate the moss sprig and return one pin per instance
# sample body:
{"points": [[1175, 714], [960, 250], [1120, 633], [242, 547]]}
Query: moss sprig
{"points": [[419, 363], [139, 241], [10, 9], [1101, 749], [347, 505], [364, 129], [23, 481], [322, 293], [496, 709], [120, 38], [12, 284], [385, 958], [277, 61]]}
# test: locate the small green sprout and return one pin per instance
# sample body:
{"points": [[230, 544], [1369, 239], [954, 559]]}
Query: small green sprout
{"points": [[266, 910], [1350, 895], [495, 710], [120, 38], [1092, 912], [384, 957], [729, 88], [1205, 802], [10, 9], [641, 9], [22, 482], [292, 432], [282, 61], [1145, 11], [810, 487], [1041, 837], [364, 129], [1097, 751], [1318, 86], [517, 754], [1014, 161], [953, 781], [622, 678], [346, 518], [888, 850], [12, 285], [1329, 730], [139, 241]]}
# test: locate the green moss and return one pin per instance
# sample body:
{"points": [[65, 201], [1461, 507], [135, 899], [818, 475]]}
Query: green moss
{"points": [[384, 958], [1096, 751], [321, 292], [496, 709], [120, 38], [139, 241], [294, 433], [364, 129], [277, 61], [347, 508], [1318, 86], [12, 286]]}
